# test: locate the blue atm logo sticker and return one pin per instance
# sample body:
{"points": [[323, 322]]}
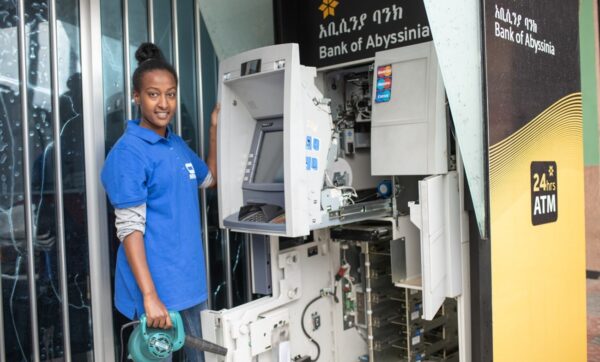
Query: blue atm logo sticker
{"points": [[383, 96], [384, 84]]}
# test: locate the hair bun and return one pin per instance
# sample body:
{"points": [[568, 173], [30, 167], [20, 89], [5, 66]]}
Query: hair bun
{"points": [[148, 51]]}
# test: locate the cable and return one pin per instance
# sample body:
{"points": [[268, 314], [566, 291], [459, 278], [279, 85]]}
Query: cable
{"points": [[10, 305], [304, 328], [335, 297], [367, 197], [122, 329], [235, 265]]}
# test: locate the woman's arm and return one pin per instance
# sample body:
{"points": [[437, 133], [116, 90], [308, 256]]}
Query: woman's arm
{"points": [[211, 161], [157, 315]]}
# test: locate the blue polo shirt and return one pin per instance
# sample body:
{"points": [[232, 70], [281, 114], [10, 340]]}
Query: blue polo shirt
{"points": [[163, 173]]}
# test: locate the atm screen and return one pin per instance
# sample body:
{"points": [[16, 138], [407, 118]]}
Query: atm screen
{"points": [[269, 168]]}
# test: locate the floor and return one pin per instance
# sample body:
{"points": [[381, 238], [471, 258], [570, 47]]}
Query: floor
{"points": [[593, 312]]}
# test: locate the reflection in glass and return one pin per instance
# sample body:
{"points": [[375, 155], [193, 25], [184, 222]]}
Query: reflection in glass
{"points": [[163, 36], [216, 253], [187, 74], [112, 71], [73, 176], [138, 34], [13, 249], [115, 117], [41, 142], [15, 291]]}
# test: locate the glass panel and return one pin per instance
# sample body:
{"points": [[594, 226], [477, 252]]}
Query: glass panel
{"points": [[138, 28], [215, 235], [138, 33], [187, 74], [115, 120], [238, 268], [73, 177], [13, 248], [41, 142], [112, 71], [163, 31]]}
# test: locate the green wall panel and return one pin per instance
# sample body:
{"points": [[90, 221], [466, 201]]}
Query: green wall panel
{"points": [[588, 82]]}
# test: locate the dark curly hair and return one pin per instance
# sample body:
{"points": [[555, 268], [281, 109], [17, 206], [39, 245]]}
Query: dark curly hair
{"points": [[149, 58]]}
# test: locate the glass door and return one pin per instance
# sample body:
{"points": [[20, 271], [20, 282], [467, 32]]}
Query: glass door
{"points": [[44, 256], [64, 101]]}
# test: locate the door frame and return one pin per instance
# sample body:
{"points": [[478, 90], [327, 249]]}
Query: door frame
{"points": [[93, 116]]}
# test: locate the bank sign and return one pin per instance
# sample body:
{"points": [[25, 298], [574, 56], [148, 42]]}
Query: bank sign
{"points": [[340, 31], [536, 174]]}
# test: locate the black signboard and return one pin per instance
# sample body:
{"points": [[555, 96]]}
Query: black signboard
{"points": [[332, 32], [532, 55], [544, 192], [535, 129]]}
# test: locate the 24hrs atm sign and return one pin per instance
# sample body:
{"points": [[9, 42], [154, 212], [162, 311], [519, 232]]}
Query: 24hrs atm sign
{"points": [[544, 192]]}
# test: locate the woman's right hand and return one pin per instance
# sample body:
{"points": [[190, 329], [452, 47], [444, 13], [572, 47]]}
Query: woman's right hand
{"points": [[157, 315]]}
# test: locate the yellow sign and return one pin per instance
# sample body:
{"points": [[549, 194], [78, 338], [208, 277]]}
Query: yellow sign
{"points": [[538, 245]]}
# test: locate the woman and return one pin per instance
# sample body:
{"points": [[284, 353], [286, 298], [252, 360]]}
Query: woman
{"points": [[152, 177]]}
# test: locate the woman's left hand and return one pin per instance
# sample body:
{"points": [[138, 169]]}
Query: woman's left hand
{"points": [[214, 116]]}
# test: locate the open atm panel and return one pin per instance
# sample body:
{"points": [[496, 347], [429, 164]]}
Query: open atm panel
{"points": [[269, 178], [280, 168], [408, 119]]}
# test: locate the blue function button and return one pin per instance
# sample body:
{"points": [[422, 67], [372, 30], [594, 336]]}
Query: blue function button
{"points": [[308, 162], [308, 142], [316, 144], [315, 164]]}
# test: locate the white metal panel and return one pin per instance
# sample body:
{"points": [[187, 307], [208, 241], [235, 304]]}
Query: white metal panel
{"points": [[406, 229], [453, 236], [408, 132], [261, 330], [433, 247], [464, 300], [409, 99], [391, 154], [288, 92], [261, 93], [237, 328], [438, 217], [464, 309]]}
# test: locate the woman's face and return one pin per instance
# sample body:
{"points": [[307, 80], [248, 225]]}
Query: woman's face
{"points": [[157, 99]]}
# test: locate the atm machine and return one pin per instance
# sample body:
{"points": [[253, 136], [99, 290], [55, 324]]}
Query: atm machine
{"points": [[349, 180]]}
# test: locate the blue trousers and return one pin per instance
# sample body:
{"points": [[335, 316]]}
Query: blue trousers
{"points": [[192, 327]]}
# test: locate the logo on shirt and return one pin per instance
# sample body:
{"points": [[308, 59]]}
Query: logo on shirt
{"points": [[191, 171]]}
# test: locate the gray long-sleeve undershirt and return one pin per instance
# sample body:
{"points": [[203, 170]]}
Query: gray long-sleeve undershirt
{"points": [[133, 218]]}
